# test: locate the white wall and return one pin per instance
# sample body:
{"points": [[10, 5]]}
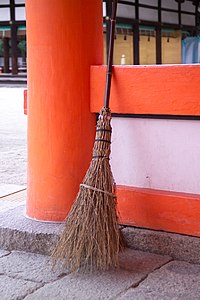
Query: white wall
{"points": [[160, 154]]}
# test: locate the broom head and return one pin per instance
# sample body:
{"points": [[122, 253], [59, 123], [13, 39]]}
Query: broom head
{"points": [[91, 238]]}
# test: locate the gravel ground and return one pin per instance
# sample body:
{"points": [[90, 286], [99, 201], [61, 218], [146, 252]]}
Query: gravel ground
{"points": [[13, 137]]}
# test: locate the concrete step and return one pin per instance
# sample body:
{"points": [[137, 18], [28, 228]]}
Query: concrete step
{"points": [[17, 232], [10, 75], [9, 79]]}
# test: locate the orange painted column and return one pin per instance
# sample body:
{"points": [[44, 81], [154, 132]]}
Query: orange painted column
{"points": [[64, 39]]}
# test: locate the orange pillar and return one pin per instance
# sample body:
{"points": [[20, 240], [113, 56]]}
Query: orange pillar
{"points": [[64, 39]]}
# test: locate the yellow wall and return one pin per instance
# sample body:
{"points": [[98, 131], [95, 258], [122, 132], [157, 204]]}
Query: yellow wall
{"points": [[147, 50], [171, 49], [123, 47]]}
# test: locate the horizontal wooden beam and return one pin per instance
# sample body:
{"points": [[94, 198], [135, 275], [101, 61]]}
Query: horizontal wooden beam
{"points": [[160, 90]]}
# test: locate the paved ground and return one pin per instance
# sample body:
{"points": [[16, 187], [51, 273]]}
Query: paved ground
{"points": [[13, 128], [141, 276]]}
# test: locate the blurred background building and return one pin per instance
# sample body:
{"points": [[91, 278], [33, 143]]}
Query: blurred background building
{"points": [[147, 32], [12, 36], [156, 31]]}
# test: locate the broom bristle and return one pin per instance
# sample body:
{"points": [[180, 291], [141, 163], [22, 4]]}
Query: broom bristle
{"points": [[91, 237]]}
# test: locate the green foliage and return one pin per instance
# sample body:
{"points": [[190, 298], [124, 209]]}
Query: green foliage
{"points": [[1, 47], [22, 48]]}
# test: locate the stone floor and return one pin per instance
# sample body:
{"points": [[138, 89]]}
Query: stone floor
{"points": [[13, 137], [141, 276], [25, 275]]}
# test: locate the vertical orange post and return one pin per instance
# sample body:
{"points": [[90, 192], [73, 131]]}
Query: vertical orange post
{"points": [[64, 39]]}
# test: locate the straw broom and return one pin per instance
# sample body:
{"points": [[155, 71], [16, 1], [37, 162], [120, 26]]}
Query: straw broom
{"points": [[91, 238]]}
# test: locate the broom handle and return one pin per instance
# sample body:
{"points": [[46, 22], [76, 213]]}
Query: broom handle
{"points": [[110, 54]]}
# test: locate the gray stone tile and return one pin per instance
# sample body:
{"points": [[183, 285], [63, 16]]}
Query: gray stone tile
{"points": [[7, 205], [135, 266], [4, 253], [29, 266], [13, 136], [176, 280], [15, 219], [20, 233], [142, 262], [6, 189], [16, 289], [179, 247], [91, 286]]}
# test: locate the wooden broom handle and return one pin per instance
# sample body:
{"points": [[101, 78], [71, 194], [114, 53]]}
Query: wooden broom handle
{"points": [[110, 54]]}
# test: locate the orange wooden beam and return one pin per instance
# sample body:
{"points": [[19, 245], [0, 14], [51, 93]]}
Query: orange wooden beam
{"points": [[167, 90], [160, 210]]}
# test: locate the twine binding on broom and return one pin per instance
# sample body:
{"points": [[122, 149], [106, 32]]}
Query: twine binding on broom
{"points": [[97, 190]]}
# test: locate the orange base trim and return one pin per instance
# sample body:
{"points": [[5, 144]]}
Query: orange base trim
{"points": [[159, 210]]}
